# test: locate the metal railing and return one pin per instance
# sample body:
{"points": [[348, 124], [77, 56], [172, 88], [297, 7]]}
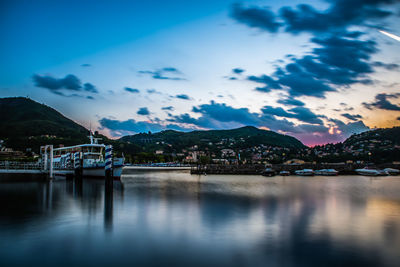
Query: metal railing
{"points": [[16, 165]]}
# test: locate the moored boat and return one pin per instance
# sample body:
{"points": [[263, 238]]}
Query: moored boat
{"points": [[392, 171], [368, 172], [268, 172], [326, 172], [284, 173], [305, 172], [91, 159]]}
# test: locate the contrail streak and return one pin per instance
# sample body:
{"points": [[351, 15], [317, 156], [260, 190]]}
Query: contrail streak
{"points": [[397, 38]]}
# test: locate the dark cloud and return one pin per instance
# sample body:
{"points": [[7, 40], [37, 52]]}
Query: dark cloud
{"points": [[88, 87], [90, 97], [340, 15], [382, 102], [267, 80], [291, 101], [221, 116], [171, 69], [340, 57], [57, 85], [255, 17], [391, 66], [336, 61], [86, 65], [153, 91], [70, 82], [183, 96], [238, 70], [355, 117], [131, 90], [143, 111], [164, 74], [300, 113], [119, 128], [168, 108]]}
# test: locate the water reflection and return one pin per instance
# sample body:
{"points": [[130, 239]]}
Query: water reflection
{"points": [[181, 220]]}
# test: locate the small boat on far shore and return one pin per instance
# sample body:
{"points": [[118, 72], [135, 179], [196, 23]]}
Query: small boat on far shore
{"points": [[268, 172], [284, 173], [305, 172], [392, 171], [327, 172], [368, 172]]}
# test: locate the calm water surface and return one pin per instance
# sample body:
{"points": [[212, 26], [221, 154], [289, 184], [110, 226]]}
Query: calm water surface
{"points": [[175, 219]]}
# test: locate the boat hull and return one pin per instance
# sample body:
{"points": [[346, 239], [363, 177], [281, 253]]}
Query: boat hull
{"points": [[326, 173], [367, 172], [99, 172], [305, 172]]}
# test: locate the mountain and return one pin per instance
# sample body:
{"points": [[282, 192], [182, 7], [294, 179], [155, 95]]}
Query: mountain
{"points": [[239, 138], [387, 135], [26, 123]]}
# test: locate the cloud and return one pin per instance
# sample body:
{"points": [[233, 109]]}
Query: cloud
{"points": [[340, 15], [183, 96], [255, 17], [267, 80], [335, 61], [86, 65], [170, 69], [56, 85], [143, 111], [300, 113], [68, 82], [131, 90], [221, 116], [238, 71], [88, 87], [391, 66], [310, 131], [153, 91], [340, 57], [382, 102], [170, 108], [350, 128], [290, 101], [131, 126], [164, 74], [355, 117]]}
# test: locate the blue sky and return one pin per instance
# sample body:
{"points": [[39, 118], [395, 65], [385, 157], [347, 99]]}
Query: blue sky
{"points": [[316, 70]]}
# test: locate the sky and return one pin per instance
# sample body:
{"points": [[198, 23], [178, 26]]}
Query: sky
{"points": [[316, 70]]}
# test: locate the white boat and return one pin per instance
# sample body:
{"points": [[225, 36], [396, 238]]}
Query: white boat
{"points": [[392, 171], [326, 172], [305, 172], [368, 172], [93, 162]]}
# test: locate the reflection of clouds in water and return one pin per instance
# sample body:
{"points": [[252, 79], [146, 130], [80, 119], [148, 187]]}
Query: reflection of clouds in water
{"points": [[237, 211], [227, 220]]}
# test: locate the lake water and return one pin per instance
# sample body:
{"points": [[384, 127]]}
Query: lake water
{"points": [[178, 219]]}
